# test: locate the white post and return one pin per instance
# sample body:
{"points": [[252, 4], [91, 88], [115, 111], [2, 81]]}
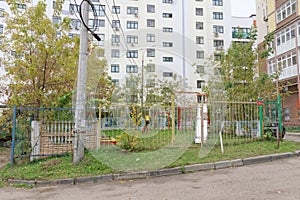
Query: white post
{"points": [[198, 125], [221, 142], [35, 140], [205, 122]]}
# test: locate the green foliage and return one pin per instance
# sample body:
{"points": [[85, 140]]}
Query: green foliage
{"points": [[127, 141], [41, 66], [267, 47], [239, 70], [136, 116], [156, 92], [99, 85]]}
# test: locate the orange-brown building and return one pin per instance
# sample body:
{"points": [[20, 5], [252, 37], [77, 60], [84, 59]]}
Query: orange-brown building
{"points": [[281, 19]]}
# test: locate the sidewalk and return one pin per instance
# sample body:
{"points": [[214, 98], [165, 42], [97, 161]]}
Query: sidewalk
{"points": [[292, 136]]}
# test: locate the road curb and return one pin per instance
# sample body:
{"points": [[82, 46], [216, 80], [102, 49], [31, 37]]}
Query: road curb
{"points": [[161, 172]]}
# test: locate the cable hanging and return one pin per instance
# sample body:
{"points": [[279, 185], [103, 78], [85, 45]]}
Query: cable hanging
{"points": [[95, 15]]}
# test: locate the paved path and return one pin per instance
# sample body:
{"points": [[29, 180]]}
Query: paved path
{"points": [[278, 180]]}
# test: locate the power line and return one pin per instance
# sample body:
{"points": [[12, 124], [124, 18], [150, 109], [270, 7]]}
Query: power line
{"points": [[122, 30]]}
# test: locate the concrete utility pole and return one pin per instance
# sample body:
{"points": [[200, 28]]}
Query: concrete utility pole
{"points": [[80, 109]]}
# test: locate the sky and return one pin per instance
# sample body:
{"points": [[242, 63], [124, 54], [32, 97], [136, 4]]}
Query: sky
{"points": [[243, 8]]}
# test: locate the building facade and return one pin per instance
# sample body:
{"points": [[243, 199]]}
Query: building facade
{"points": [[160, 37], [281, 19]]}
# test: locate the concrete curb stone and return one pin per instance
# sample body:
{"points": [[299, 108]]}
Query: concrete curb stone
{"points": [[199, 167], [131, 175], [163, 172], [223, 164], [287, 155], [257, 159], [170, 171], [237, 163]]}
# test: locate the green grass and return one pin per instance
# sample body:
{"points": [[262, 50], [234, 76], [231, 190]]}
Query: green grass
{"points": [[62, 167]]}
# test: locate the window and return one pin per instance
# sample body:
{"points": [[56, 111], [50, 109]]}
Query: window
{"points": [[199, 40], [218, 2], [218, 29], [115, 39], [199, 25], [58, 34], [150, 83], [199, 11], [132, 39], [168, 1], [217, 57], [150, 37], [21, 5], [167, 15], [218, 15], [150, 67], [200, 69], [73, 35], [150, 8], [286, 112], [200, 84], [218, 43], [132, 10], [99, 9], [2, 12], [114, 68], [286, 35], [115, 82], [75, 24], [96, 23], [73, 8], [130, 82], [286, 10], [200, 54], [132, 54], [167, 44], [131, 68], [167, 74], [150, 22], [167, 29], [1, 29], [132, 24], [150, 52], [167, 59], [240, 32], [115, 53], [116, 9], [56, 19], [115, 23], [102, 39]]}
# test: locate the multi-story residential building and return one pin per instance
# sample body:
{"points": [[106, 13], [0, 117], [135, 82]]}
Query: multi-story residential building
{"points": [[161, 37], [281, 18]]}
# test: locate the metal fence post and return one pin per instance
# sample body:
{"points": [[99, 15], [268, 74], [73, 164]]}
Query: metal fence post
{"points": [[260, 104], [13, 136]]}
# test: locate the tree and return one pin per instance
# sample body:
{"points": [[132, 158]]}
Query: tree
{"points": [[39, 57], [239, 70], [99, 85]]}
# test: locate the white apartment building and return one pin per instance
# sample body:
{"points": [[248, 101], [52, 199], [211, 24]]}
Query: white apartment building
{"points": [[161, 37]]}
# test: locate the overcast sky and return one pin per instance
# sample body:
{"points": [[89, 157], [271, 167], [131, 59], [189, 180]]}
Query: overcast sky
{"points": [[243, 8]]}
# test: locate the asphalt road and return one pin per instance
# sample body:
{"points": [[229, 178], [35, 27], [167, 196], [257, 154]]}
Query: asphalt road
{"points": [[272, 180]]}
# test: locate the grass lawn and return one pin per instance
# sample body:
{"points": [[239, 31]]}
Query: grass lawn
{"points": [[62, 167]]}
